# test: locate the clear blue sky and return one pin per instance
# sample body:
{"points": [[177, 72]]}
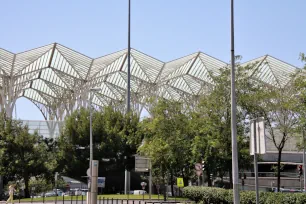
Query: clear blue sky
{"points": [[165, 29]]}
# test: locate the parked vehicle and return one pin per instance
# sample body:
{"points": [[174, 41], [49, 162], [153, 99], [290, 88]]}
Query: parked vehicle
{"points": [[50, 194], [139, 192]]}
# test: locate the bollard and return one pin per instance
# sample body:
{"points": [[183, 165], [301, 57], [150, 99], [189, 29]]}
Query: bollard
{"points": [[107, 201], [43, 197], [63, 199], [121, 201], [112, 201], [77, 199], [133, 201], [82, 198], [117, 201], [71, 199], [103, 200], [32, 199]]}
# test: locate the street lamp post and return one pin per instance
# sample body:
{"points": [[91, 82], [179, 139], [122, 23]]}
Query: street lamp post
{"points": [[128, 98], [233, 114], [128, 91], [304, 161], [91, 199]]}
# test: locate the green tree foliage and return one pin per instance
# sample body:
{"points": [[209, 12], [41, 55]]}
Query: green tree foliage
{"points": [[279, 106], [211, 125], [303, 59], [23, 155], [167, 141], [114, 138]]}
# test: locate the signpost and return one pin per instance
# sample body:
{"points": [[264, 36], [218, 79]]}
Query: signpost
{"points": [[257, 146], [180, 184], [199, 171], [143, 164], [143, 185], [55, 179]]}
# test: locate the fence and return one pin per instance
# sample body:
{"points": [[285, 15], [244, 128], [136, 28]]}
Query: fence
{"points": [[101, 200]]}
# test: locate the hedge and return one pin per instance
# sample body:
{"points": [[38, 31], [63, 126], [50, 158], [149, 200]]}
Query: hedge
{"points": [[208, 195]]}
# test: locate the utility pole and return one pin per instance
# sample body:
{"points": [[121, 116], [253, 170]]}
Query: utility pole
{"points": [[255, 162], [233, 114], [128, 98], [304, 161], [128, 91]]}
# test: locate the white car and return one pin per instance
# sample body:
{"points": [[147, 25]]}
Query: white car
{"points": [[139, 192]]}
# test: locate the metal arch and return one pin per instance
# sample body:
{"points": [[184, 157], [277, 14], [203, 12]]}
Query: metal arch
{"points": [[42, 108]]}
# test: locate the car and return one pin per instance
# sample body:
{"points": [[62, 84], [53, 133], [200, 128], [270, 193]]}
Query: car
{"points": [[50, 194], [139, 192]]}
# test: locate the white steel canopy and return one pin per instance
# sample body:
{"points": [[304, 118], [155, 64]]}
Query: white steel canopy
{"points": [[57, 79]]}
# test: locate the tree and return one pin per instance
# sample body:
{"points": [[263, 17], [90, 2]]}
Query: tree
{"points": [[167, 141], [279, 107], [114, 138], [303, 59], [22, 155], [211, 123]]}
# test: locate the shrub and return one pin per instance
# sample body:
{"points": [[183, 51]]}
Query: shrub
{"points": [[207, 195]]}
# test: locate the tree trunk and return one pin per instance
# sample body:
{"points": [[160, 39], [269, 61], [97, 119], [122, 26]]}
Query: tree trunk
{"points": [[26, 185], [231, 178], [279, 168], [209, 181], [171, 180], [165, 191]]}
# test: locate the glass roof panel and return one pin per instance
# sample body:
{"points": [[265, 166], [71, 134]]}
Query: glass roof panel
{"points": [[24, 59], [60, 63], [181, 84], [102, 63], [200, 71], [78, 61], [6, 61], [50, 76], [136, 70], [33, 95], [171, 66], [212, 64], [113, 67], [148, 64]]}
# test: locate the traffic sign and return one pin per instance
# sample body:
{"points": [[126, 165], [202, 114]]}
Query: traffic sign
{"points": [[143, 184], [198, 168], [88, 172], [180, 182], [101, 182]]}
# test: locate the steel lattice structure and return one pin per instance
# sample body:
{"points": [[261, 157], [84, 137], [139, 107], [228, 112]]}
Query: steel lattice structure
{"points": [[57, 79]]}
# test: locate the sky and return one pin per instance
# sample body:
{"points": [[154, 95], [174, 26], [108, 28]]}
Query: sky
{"points": [[164, 29]]}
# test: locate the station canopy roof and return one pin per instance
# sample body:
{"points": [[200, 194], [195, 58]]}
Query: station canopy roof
{"points": [[54, 73]]}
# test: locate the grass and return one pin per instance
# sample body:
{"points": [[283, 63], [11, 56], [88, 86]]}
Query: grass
{"points": [[110, 196]]}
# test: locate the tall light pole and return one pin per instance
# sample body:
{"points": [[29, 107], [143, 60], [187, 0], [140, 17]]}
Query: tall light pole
{"points": [[128, 91], [128, 96], [304, 160], [233, 114], [91, 197]]}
